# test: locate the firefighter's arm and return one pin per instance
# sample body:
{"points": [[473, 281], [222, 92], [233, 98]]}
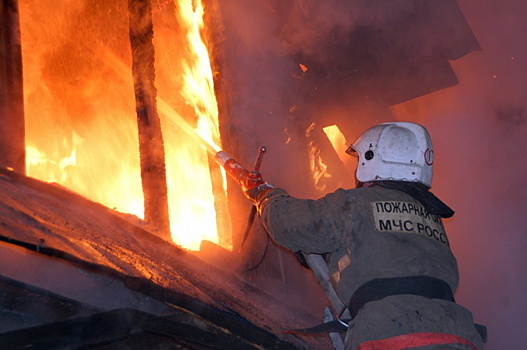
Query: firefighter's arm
{"points": [[299, 224]]}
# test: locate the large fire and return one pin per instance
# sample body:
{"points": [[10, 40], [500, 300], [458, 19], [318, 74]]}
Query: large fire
{"points": [[81, 127]]}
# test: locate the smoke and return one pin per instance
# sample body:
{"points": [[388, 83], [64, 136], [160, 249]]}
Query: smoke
{"points": [[481, 132], [477, 121], [314, 26]]}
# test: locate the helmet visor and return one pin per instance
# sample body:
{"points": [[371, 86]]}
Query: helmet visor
{"points": [[352, 152]]}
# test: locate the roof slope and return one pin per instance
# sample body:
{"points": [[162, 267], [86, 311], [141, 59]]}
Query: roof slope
{"points": [[54, 221]]}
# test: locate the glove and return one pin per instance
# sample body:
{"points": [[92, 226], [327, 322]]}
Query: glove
{"points": [[256, 194], [250, 179], [253, 185]]}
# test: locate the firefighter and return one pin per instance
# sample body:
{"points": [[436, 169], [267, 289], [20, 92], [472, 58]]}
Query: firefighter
{"points": [[385, 244]]}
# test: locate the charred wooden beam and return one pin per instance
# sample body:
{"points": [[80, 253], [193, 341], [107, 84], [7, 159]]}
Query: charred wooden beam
{"points": [[12, 129], [151, 147]]}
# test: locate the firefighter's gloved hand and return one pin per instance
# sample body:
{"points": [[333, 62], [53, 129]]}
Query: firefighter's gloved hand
{"points": [[254, 187], [257, 193], [251, 180]]}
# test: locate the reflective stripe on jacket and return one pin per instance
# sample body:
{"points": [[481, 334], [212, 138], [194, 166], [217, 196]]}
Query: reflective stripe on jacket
{"points": [[413, 340]]}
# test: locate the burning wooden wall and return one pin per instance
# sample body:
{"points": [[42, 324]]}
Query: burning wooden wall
{"points": [[80, 89]]}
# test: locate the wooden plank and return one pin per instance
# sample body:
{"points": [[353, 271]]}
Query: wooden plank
{"points": [[151, 146], [12, 128]]}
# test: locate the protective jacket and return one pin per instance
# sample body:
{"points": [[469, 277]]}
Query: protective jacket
{"points": [[371, 235]]}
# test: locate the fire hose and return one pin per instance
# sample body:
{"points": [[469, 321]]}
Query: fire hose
{"points": [[247, 179], [251, 180]]}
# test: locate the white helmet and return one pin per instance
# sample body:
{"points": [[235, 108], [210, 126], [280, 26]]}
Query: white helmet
{"points": [[399, 151]]}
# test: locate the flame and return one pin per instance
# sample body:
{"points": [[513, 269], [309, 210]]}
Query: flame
{"points": [[337, 139], [80, 111], [191, 194], [317, 165]]}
